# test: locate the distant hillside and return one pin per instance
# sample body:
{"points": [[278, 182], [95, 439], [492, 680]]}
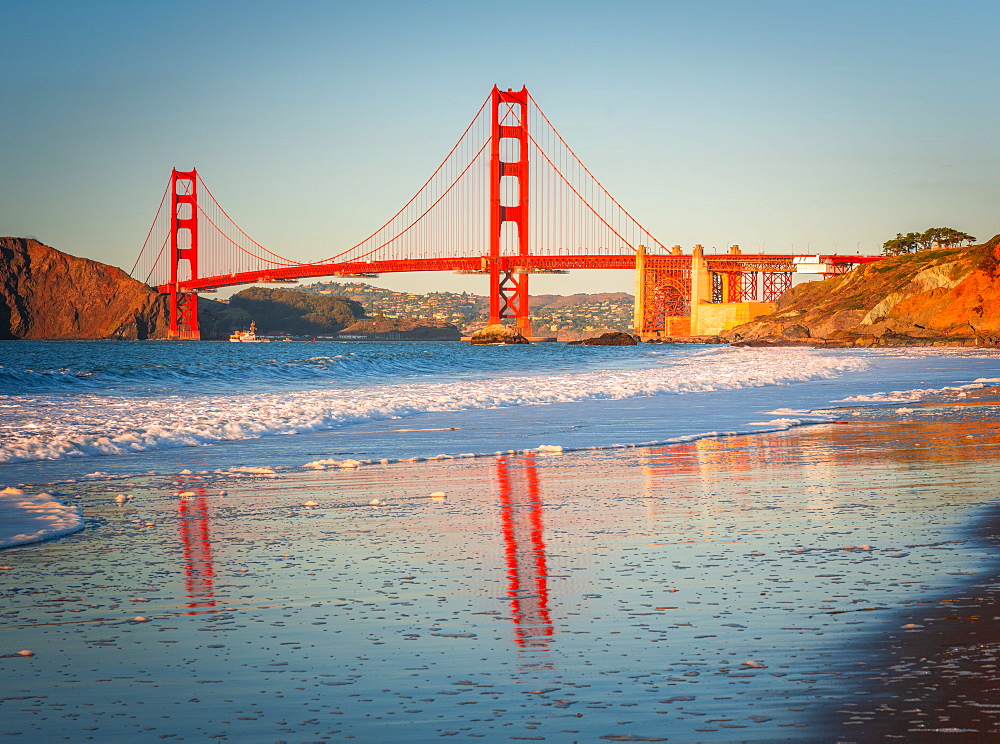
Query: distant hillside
{"points": [[48, 294], [417, 329], [297, 313], [552, 302], [948, 296], [568, 317]]}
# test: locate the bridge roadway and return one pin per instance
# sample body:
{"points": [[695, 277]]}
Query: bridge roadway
{"points": [[529, 264]]}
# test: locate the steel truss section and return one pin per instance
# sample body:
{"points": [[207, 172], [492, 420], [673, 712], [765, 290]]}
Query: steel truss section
{"points": [[750, 263], [185, 310], [775, 284], [718, 295], [512, 289], [668, 295]]}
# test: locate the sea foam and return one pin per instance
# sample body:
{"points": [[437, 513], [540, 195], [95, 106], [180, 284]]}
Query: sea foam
{"points": [[29, 518], [51, 427]]}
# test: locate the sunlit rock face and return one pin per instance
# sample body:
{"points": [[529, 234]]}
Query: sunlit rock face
{"points": [[48, 294], [497, 334], [948, 296]]}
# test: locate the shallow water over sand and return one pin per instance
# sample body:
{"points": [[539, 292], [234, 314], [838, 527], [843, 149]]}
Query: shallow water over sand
{"points": [[720, 590]]}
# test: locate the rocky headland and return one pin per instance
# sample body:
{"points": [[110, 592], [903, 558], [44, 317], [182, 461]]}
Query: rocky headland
{"points": [[934, 297], [48, 294]]}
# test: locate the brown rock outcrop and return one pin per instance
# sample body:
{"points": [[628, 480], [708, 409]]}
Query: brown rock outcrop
{"points": [[48, 294], [948, 296], [611, 338], [497, 334]]}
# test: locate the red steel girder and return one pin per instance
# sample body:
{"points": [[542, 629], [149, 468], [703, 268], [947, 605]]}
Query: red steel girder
{"points": [[483, 264]]}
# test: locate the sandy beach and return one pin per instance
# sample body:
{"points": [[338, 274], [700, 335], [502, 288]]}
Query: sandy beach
{"points": [[830, 583]]}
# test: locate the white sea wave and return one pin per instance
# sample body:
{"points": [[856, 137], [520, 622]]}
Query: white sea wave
{"points": [[51, 427]]}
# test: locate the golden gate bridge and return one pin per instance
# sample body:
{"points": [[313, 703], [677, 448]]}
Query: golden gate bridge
{"points": [[510, 199]]}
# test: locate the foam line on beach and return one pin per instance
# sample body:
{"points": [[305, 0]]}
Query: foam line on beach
{"points": [[768, 427], [910, 396], [30, 518]]}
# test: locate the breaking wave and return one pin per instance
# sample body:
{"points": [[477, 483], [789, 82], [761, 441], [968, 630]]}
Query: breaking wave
{"points": [[47, 427]]}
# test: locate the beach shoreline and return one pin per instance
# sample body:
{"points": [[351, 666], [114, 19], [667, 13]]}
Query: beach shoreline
{"points": [[697, 591]]}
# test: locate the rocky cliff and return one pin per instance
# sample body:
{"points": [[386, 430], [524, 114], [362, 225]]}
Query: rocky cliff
{"points": [[949, 296], [47, 294]]}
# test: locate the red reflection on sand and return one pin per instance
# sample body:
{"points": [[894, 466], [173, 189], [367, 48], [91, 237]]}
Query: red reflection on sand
{"points": [[199, 571], [527, 573]]}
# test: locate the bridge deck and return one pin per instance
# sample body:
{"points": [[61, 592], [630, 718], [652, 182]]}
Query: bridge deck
{"points": [[531, 264]]}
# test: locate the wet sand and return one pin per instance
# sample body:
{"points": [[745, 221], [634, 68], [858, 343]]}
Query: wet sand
{"points": [[753, 588], [937, 676]]}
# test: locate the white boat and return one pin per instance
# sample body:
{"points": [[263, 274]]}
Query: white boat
{"points": [[247, 337]]}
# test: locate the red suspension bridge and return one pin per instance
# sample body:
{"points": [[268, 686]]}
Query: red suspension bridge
{"points": [[509, 200]]}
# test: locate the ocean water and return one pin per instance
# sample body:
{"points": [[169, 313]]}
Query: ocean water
{"points": [[68, 409], [404, 542], [77, 410]]}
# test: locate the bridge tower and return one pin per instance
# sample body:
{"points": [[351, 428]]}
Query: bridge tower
{"points": [[183, 247], [509, 160]]}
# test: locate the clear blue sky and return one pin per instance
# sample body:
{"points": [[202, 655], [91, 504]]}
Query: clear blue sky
{"points": [[771, 124]]}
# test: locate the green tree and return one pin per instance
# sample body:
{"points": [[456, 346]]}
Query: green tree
{"points": [[934, 237], [947, 237], [901, 244]]}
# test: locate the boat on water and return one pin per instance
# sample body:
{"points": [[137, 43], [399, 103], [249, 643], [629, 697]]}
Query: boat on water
{"points": [[247, 337]]}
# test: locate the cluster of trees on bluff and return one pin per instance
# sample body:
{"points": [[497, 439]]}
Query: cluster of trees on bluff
{"points": [[935, 237]]}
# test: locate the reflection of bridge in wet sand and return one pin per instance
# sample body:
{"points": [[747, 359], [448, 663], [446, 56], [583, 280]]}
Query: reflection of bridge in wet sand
{"points": [[521, 529], [527, 572], [199, 571]]}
